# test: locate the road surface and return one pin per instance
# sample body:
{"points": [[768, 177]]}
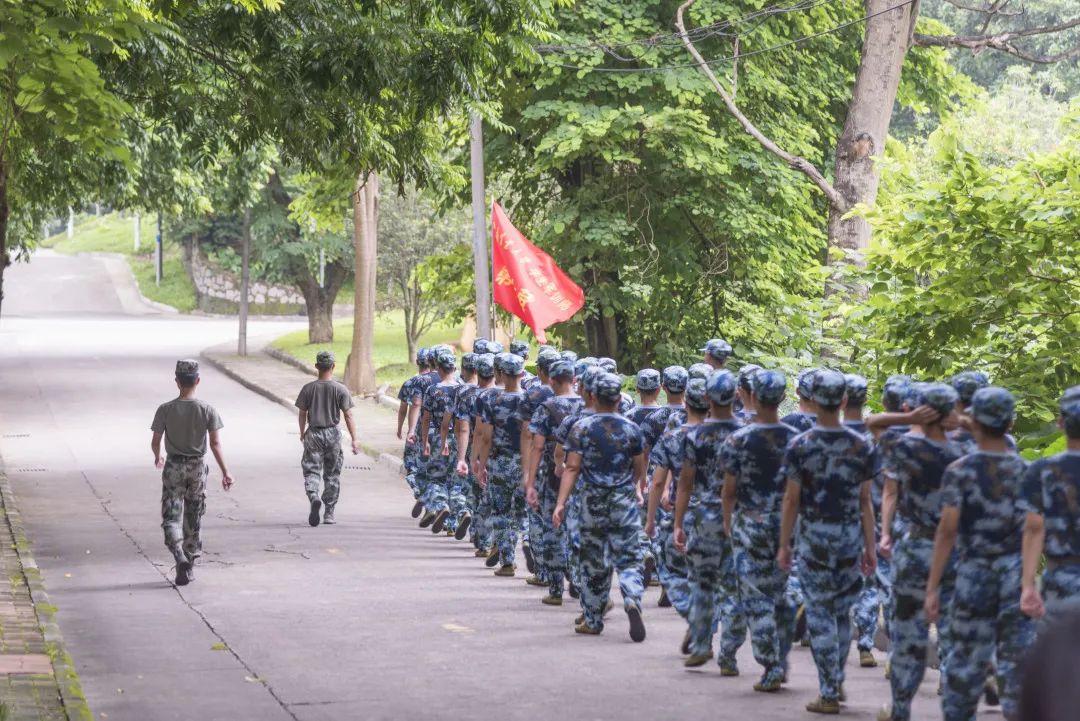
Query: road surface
{"points": [[369, 619]]}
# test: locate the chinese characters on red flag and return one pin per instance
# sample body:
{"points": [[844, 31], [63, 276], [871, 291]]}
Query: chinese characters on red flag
{"points": [[528, 284]]}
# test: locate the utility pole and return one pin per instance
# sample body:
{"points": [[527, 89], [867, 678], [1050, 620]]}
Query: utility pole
{"points": [[245, 281], [137, 225], [481, 274], [158, 261], [71, 223]]}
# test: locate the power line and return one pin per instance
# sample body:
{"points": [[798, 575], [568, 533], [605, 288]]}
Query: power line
{"points": [[740, 56], [717, 29]]}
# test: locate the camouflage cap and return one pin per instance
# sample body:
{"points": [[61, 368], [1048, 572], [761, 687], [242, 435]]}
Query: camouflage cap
{"points": [[674, 379], [895, 392], [561, 370], [422, 355], [324, 359], [485, 365], [495, 347], [939, 396], [608, 364], [547, 346], [468, 361], [827, 388], [857, 388], [513, 365], [187, 368], [770, 387], [697, 396], [700, 370], [546, 359], [606, 386], [480, 346], [746, 376], [966, 383], [569, 356], [445, 359], [721, 387], [588, 378], [1070, 411], [500, 360], [581, 365], [993, 407], [591, 360], [647, 380], [718, 348], [804, 383], [519, 348]]}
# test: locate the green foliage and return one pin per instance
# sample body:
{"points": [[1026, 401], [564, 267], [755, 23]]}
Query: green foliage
{"points": [[677, 224], [977, 265], [446, 278]]}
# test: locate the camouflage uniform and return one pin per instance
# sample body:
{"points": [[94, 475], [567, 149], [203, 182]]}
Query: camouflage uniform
{"points": [[411, 456], [985, 615], [553, 542], [445, 488], [713, 587], [610, 518], [672, 567], [504, 490], [467, 409], [830, 466], [537, 531], [321, 464], [183, 503], [753, 455], [1052, 489], [917, 464], [416, 390]]}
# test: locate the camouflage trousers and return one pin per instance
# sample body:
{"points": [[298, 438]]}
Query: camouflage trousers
{"points": [[712, 586], [609, 523], [985, 618], [445, 489], [321, 463], [413, 460], [908, 628], [503, 492], [552, 548], [831, 579], [183, 503], [479, 505], [875, 595], [1061, 589], [672, 567], [762, 590]]}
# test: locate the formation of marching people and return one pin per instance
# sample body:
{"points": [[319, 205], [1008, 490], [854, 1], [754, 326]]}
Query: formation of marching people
{"points": [[787, 529], [756, 524]]}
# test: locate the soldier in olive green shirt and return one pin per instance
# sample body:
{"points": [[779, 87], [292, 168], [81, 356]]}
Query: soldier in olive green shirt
{"points": [[186, 423]]}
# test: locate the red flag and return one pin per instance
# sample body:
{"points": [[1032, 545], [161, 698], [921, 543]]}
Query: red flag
{"points": [[527, 281]]}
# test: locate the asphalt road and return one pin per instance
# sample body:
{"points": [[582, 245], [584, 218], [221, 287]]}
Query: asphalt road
{"points": [[369, 619]]}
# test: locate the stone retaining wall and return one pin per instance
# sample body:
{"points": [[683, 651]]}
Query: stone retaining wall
{"points": [[218, 290]]}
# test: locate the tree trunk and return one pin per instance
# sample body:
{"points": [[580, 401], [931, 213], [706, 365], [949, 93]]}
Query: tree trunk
{"points": [[602, 335], [885, 43], [360, 369], [320, 314], [245, 282], [4, 261]]}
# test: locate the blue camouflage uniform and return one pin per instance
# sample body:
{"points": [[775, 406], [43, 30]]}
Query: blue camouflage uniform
{"points": [[410, 390], [610, 518], [499, 410], [468, 410], [830, 466], [753, 456], [985, 615], [445, 490], [553, 544], [534, 397], [746, 377], [1052, 490], [713, 586]]}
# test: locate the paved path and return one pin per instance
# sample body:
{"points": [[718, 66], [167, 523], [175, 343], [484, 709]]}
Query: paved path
{"points": [[371, 619]]}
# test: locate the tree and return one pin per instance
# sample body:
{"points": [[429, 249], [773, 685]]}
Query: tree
{"points": [[416, 239], [674, 221], [890, 31], [974, 265], [56, 113]]}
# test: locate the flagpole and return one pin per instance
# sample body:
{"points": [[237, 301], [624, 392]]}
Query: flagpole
{"points": [[481, 272]]}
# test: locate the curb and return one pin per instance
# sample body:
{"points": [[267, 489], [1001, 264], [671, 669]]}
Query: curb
{"points": [[64, 673], [289, 360], [392, 462]]}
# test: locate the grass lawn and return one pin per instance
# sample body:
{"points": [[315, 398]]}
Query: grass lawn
{"points": [[391, 354], [113, 234]]}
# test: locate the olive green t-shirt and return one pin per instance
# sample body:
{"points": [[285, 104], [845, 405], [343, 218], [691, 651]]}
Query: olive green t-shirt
{"points": [[324, 401], [185, 423]]}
